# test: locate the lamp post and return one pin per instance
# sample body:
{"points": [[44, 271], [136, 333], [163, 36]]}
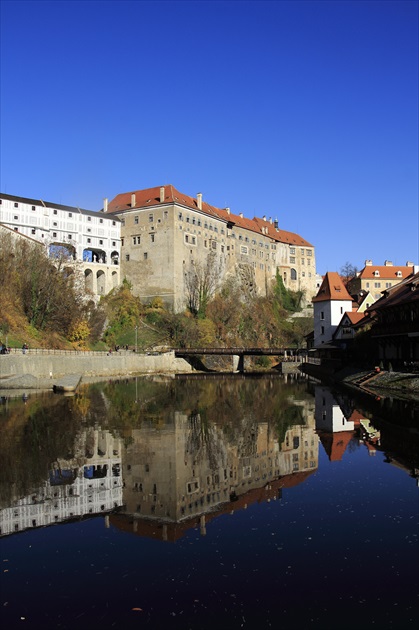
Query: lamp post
{"points": [[136, 338]]}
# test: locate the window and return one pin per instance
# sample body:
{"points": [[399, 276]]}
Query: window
{"points": [[165, 214], [136, 220], [152, 236], [322, 330], [89, 218], [122, 242], [100, 220], [70, 214], [134, 240], [150, 218], [100, 242], [214, 245], [16, 205], [322, 315], [15, 218], [145, 255], [113, 222], [292, 250], [180, 217], [303, 261], [33, 207], [293, 274], [243, 249], [292, 260], [54, 235], [69, 237], [33, 231], [55, 211], [89, 240], [309, 252], [127, 257], [187, 219], [88, 229], [113, 243], [377, 285]]}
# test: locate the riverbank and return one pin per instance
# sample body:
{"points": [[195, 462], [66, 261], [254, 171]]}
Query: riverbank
{"points": [[33, 371]]}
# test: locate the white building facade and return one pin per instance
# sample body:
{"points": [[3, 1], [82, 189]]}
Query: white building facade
{"points": [[89, 238]]}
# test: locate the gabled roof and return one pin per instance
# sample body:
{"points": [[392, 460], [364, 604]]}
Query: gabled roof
{"points": [[405, 292], [150, 197], [354, 316], [335, 444], [332, 288], [389, 272]]}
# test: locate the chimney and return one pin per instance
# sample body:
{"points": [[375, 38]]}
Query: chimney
{"points": [[132, 200], [368, 263], [199, 201], [388, 263], [161, 194], [227, 210], [105, 204], [241, 215], [270, 220], [276, 224], [409, 264], [264, 218]]}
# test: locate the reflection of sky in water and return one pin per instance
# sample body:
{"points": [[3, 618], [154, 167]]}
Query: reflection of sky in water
{"points": [[335, 550]]}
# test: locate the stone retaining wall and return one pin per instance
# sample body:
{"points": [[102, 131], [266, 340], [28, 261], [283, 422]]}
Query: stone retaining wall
{"points": [[52, 366]]}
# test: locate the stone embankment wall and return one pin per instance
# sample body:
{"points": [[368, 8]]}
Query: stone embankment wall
{"points": [[115, 364]]}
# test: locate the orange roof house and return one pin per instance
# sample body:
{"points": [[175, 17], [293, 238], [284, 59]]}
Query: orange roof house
{"points": [[378, 278]]}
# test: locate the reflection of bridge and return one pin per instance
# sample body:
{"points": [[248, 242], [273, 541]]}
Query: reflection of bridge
{"points": [[188, 353]]}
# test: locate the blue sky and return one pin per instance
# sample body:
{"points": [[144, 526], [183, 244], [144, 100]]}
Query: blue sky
{"points": [[304, 111]]}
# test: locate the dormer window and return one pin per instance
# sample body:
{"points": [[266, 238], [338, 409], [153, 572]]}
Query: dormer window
{"points": [[399, 274], [376, 273]]}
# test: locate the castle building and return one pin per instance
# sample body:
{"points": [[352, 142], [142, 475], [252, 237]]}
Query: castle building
{"points": [[93, 239], [166, 235]]}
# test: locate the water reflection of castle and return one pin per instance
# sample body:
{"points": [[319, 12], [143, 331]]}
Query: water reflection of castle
{"points": [[186, 469], [169, 474], [88, 484]]}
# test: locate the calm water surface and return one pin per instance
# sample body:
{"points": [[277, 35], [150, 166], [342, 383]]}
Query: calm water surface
{"points": [[201, 503]]}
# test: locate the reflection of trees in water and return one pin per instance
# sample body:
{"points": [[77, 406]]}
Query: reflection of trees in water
{"points": [[34, 436], [203, 442], [285, 418]]}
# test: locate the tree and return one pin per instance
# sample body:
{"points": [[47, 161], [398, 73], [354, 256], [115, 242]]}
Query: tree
{"points": [[347, 272], [201, 281]]}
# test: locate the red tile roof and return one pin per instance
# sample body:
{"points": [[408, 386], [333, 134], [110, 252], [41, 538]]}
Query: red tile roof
{"points": [[150, 197], [388, 272], [406, 292], [355, 317], [335, 444], [332, 288]]}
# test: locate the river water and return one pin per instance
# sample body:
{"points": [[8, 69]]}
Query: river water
{"points": [[218, 502]]}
